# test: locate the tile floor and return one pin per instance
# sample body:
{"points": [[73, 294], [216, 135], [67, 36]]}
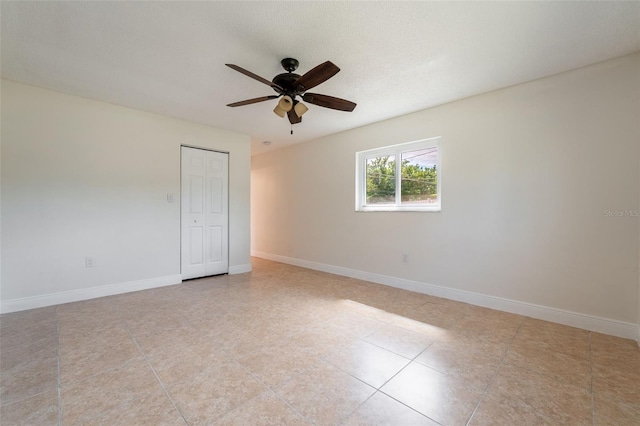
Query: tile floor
{"points": [[286, 345]]}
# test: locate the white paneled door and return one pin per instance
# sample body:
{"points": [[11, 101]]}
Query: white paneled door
{"points": [[205, 213]]}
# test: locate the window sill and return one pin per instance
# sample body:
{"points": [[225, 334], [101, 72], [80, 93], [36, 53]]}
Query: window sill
{"points": [[366, 209]]}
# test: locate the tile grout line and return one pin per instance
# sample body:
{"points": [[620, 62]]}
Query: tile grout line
{"points": [[146, 359], [593, 408], [411, 360], [58, 375], [273, 391], [379, 389], [495, 376], [28, 397]]}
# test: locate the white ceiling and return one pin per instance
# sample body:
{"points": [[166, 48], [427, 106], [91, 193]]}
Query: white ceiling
{"points": [[396, 57]]}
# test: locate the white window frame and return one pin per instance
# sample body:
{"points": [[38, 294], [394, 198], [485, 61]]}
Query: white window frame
{"points": [[396, 150]]}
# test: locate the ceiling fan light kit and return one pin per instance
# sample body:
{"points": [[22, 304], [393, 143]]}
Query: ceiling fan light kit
{"points": [[285, 103], [279, 111], [300, 109], [290, 85]]}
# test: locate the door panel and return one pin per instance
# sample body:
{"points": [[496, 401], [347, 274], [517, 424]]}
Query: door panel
{"points": [[215, 196], [205, 206], [196, 194], [196, 240], [215, 240]]}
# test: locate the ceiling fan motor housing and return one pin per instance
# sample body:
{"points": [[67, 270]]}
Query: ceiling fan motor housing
{"points": [[286, 81]]}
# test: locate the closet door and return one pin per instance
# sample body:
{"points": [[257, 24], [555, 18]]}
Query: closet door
{"points": [[205, 213]]}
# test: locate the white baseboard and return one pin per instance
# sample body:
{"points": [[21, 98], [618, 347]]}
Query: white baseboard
{"points": [[24, 303], [239, 269], [573, 319]]}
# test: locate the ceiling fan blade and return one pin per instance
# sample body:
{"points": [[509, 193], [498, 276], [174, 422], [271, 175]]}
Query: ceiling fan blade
{"points": [[317, 75], [329, 102], [254, 76], [293, 117], [253, 101]]}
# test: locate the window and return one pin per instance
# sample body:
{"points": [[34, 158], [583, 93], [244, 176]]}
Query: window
{"points": [[403, 177]]}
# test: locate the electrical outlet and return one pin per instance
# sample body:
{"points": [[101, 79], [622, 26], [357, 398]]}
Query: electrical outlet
{"points": [[405, 257], [169, 197], [89, 262]]}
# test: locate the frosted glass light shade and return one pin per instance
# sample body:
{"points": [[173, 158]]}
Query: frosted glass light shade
{"points": [[300, 109], [286, 103], [279, 111]]}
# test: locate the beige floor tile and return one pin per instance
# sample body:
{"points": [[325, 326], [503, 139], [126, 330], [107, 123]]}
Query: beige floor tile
{"points": [[265, 410], [356, 325], [93, 357], [443, 398], [411, 298], [18, 337], [604, 342], [609, 351], [325, 395], [106, 393], [246, 344], [41, 409], [402, 341], [492, 344], [562, 367], [557, 337], [87, 326], [469, 358], [91, 306], [521, 397], [210, 395], [615, 383], [320, 341], [27, 318], [276, 365], [16, 357], [483, 322], [615, 412], [189, 363], [167, 342], [443, 314], [109, 334], [157, 322], [88, 314], [28, 379], [364, 309], [406, 321], [367, 362], [381, 410], [153, 408]]}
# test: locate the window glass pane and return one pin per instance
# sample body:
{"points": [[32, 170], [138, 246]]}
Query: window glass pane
{"points": [[419, 183], [381, 180]]}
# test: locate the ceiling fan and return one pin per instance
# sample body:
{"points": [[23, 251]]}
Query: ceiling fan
{"points": [[290, 86]]}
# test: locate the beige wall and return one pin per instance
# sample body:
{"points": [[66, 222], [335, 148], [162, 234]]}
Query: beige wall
{"points": [[85, 178], [527, 175]]}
